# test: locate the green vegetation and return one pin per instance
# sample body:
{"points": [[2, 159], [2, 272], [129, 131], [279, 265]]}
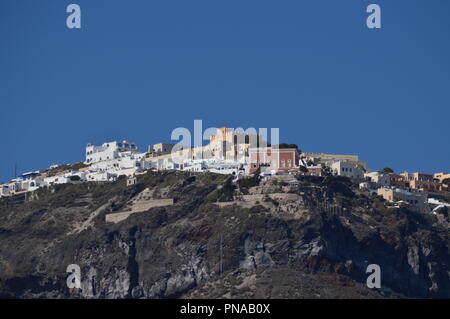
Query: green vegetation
{"points": [[224, 193], [246, 183]]}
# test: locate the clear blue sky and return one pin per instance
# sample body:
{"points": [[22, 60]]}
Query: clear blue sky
{"points": [[138, 69]]}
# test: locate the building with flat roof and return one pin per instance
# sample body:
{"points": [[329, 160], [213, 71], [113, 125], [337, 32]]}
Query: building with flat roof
{"points": [[417, 200], [108, 151], [160, 149], [347, 169], [328, 159], [272, 160], [420, 181], [380, 179]]}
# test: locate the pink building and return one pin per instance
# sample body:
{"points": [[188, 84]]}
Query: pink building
{"points": [[273, 159]]}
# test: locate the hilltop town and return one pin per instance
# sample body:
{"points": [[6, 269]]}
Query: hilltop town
{"points": [[238, 154], [224, 220]]}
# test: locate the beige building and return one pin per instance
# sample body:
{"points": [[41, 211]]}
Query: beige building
{"points": [[230, 144], [11, 188], [347, 169], [226, 144], [160, 149], [328, 159], [417, 200], [420, 181], [440, 177], [380, 179]]}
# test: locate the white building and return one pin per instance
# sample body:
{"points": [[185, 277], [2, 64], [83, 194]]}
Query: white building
{"points": [[416, 199], [108, 151], [126, 160], [58, 179], [347, 169], [4, 190], [161, 163], [213, 165], [101, 177], [380, 179], [32, 185], [225, 167], [194, 166]]}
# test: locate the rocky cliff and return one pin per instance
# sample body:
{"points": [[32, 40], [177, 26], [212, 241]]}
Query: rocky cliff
{"points": [[304, 238]]}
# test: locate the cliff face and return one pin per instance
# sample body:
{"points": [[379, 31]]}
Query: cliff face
{"points": [[315, 241]]}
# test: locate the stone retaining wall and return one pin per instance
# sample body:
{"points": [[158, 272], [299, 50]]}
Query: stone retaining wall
{"points": [[138, 208]]}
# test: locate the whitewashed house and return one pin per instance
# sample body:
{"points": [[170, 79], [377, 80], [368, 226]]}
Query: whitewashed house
{"points": [[108, 151], [82, 175], [101, 177], [32, 185], [224, 167], [4, 190], [57, 179], [347, 169], [194, 166], [380, 179]]}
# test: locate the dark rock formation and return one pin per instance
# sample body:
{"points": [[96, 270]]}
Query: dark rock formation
{"points": [[317, 246]]}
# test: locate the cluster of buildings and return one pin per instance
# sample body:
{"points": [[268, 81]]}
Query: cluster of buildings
{"points": [[412, 189], [230, 152]]}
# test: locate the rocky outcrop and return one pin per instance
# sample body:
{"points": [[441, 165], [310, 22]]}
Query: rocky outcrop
{"points": [[315, 242]]}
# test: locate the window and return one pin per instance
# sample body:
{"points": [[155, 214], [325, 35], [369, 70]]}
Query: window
{"points": [[289, 163], [283, 163]]}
